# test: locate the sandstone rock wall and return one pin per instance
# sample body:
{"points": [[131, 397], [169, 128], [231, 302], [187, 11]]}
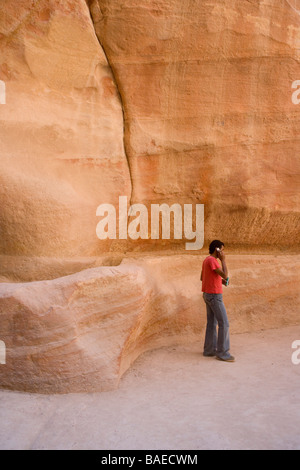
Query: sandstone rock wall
{"points": [[61, 133], [172, 101], [206, 89]]}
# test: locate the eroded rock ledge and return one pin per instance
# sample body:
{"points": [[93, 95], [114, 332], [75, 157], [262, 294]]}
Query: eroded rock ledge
{"points": [[80, 333]]}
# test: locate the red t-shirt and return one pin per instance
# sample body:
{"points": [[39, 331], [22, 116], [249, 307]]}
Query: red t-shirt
{"points": [[211, 281]]}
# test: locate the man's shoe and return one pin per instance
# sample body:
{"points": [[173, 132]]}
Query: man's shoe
{"points": [[229, 359], [209, 355]]}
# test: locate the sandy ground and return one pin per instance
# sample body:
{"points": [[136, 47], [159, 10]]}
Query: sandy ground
{"points": [[173, 398]]}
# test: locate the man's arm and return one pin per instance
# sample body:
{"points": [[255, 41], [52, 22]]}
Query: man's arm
{"points": [[224, 271]]}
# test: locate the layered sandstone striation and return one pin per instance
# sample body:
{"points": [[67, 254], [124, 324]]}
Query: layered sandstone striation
{"points": [[80, 333]]}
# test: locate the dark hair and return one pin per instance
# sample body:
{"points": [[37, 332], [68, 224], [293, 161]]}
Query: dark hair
{"points": [[215, 244]]}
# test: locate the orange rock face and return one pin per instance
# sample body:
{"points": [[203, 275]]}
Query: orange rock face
{"points": [[206, 89], [177, 102], [61, 133]]}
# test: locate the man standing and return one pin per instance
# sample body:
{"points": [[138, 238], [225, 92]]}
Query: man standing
{"points": [[212, 277]]}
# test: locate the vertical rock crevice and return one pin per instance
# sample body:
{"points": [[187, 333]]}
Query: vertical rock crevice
{"points": [[97, 16]]}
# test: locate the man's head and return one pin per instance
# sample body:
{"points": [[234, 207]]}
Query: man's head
{"points": [[215, 244]]}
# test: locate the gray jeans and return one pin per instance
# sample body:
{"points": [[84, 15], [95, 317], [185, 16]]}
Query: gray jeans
{"points": [[218, 345]]}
